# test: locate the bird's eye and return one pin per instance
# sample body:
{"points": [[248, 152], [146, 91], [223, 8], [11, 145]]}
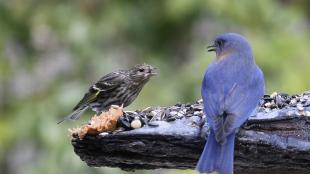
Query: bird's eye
{"points": [[141, 70], [220, 42]]}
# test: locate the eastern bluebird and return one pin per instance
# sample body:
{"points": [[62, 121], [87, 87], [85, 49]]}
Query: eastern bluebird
{"points": [[231, 89]]}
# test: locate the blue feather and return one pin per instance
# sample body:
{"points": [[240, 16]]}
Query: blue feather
{"points": [[217, 157]]}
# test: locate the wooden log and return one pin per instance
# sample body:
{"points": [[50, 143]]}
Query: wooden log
{"points": [[275, 139]]}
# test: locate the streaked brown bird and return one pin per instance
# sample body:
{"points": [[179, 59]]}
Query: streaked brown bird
{"points": [[117, 88]]}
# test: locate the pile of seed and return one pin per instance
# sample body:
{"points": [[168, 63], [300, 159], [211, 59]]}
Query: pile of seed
{"points": [[283, 101], [275, 101], [136, 119]]}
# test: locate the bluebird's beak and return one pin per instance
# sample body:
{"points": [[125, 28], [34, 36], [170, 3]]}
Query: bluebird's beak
{"points": [[211, 48]]}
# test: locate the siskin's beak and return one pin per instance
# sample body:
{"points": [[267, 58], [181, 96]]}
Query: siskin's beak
{"points": [[153, 72], [211, 48]]}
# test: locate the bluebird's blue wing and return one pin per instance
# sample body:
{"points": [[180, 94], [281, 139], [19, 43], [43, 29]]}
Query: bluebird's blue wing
{"points": [[213, 100], [242, 101]]}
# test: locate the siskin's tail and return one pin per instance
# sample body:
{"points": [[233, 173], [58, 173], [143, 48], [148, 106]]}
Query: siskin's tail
{"points": [[217, 157], [76, 114]]}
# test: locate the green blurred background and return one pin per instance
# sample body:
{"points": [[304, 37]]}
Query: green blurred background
{"points": [[51, 51]]}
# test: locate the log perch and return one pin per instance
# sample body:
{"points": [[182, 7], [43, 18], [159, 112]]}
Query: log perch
{"points": [[276, 139]]}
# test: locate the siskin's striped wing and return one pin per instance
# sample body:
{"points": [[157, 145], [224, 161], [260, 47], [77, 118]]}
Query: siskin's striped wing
{"points": [[107, 83]]}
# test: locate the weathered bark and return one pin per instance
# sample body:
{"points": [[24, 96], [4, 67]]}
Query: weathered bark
{"points": [[276, 140]]}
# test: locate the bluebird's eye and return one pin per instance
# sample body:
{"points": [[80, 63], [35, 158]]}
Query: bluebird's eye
{"points": [[220, 42]]}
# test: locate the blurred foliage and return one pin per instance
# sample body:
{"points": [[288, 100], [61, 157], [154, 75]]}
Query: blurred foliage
{"points": [[53, 50]]}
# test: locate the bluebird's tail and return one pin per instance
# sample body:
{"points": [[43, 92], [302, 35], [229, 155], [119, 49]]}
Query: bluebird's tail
{"points": [[217, 157], [76, 114]]}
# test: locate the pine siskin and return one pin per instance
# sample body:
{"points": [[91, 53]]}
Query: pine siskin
{"points": [[117, 88]]}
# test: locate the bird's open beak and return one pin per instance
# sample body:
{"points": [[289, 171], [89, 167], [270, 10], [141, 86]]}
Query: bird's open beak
{"points": [[211, 48], [153, 72]]}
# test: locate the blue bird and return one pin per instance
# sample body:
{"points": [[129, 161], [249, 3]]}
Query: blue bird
{"points": [[231, 89]]}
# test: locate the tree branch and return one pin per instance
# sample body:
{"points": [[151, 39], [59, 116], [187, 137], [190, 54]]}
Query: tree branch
{"points": [[276, 138]]}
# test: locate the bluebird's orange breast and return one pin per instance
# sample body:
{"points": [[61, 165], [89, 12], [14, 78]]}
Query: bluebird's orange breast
{"points": [[223, 54]]}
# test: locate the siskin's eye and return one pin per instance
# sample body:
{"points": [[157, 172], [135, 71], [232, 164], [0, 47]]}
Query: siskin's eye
{"points": [[141, 70]]}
